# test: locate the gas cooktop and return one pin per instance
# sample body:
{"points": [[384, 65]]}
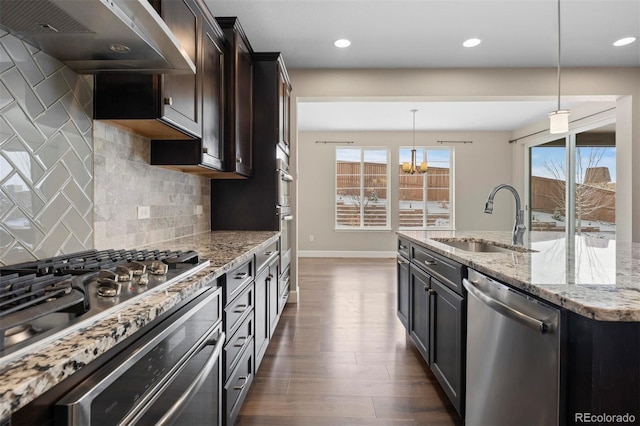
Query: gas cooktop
{"points": [[45, 299]]}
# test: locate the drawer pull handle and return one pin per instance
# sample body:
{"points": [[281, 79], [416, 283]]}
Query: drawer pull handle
{"points": [[402, 247], [402, 262], [268, 253], [426, 288], [244, 340], [168, 100], [430, 262], [246, 379], [432, 291], [240, 309], [241, 275]]}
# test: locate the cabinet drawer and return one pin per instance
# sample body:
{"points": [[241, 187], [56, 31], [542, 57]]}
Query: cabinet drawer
{"points": [[283, 290], [265, 255], [403, 247], [236, 279], [447, 270], [236, 389], [233, 349], [236, 311]]}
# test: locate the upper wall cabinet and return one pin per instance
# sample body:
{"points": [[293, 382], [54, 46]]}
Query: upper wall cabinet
{"points": [[205, 155], [166, 106], [255, 200], [239, 112]]}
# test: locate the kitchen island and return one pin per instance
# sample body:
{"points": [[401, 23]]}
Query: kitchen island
{"points": [[593, 282], [591, 276], [24, 378]]}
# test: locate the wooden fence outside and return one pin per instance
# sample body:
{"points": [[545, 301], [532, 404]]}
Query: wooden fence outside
{"points": [[375, 178], [547, 195]]}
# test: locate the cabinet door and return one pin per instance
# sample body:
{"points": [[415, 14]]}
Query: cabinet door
{"points": [[284, 102], [261, 312], [212, 97], [181, 92], [273, 301], [448, 340], [403, 291], [244, 108], [419, 315]]}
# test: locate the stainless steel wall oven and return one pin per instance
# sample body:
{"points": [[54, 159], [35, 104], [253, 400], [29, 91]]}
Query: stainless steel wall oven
{"points": [[285, 184]]}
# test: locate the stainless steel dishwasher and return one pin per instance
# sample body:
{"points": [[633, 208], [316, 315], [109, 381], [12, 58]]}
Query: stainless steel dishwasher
{"points": [[513, 356]]}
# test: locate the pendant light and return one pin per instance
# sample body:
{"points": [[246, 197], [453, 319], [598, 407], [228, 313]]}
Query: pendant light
{"points": [[412, 168], [559, 119]]}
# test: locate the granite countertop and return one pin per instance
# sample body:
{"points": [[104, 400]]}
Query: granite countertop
{"points": [[25, 378], [592, 276]]}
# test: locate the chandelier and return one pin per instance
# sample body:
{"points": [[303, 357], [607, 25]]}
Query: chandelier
{"points": [[412, 168]]}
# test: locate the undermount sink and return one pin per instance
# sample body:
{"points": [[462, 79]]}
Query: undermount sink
{"points": [[482, 246]]}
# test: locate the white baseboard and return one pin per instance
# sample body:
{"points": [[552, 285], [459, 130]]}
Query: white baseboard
{"points": [[361, 254]]}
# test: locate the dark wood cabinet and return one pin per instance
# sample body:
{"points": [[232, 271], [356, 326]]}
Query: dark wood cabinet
{"points": [[403, 291], [419, 311], [213, 105], [432, 307], [274, 297], [261, 312], [240, 299], [447, 345], [239, 102], [260, 194], [204, 155], [166, 106], [181, 93], [267, 301]]}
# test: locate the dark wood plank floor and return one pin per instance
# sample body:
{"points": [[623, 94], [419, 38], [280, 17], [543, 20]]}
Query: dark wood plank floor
{"points": [[341, 356]]}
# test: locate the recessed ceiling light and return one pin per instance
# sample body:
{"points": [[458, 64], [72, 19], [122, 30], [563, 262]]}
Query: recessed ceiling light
{"points": [[472, 42], [343, 42], [624, 41]]}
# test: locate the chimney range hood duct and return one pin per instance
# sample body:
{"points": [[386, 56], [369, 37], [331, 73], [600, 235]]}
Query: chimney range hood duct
{"points": [[94, 36]]}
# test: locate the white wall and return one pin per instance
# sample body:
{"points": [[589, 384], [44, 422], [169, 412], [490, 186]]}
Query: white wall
{"points": [[478, 167]]}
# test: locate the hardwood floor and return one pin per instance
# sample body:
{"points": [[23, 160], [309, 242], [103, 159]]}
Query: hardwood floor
{"points": [[341, 357]]}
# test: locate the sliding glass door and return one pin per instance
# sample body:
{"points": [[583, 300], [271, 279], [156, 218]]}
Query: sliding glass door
{"points": [[572, 183]]}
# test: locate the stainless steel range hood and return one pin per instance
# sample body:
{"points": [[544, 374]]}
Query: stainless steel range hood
{"points": [[93, 36]]}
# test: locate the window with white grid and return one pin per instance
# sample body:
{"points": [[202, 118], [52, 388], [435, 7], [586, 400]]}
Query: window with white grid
{"points": [[362, 178], [426, 199]]}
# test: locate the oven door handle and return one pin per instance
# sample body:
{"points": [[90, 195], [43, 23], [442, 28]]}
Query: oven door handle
{"points": [[285, 176], [174, 411]]}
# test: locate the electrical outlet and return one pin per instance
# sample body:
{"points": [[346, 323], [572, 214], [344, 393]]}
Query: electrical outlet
{"points": [[199, 209], [311, 238], [144, 212]]}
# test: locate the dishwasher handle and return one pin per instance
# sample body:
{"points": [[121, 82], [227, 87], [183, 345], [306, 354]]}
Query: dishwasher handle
{"points": [[506, 310]]}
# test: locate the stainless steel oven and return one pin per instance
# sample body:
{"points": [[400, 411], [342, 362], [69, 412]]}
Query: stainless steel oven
{"points": [[285, 184], [286, 223], [171, 375], [285, 181]]}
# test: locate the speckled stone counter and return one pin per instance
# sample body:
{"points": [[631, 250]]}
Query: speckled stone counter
{"points": [[25, 378], [591, 276]]}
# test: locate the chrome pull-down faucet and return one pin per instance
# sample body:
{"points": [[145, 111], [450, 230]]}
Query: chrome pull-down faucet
{"points": [[519, 228]]}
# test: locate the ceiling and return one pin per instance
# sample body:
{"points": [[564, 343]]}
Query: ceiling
{"points": [[429, 34]]}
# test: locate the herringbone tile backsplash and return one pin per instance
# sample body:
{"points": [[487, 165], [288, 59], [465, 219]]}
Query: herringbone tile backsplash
{"points": [[67, 185], [46, 155]]}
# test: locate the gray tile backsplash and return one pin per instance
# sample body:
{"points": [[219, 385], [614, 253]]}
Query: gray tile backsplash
{"points": [[124, 180], [67, 183]]}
